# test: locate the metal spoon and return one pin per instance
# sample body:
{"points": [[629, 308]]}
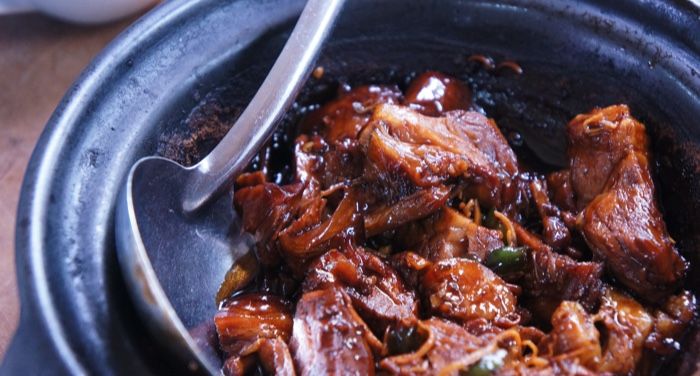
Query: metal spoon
{"points": [[176, 231]]}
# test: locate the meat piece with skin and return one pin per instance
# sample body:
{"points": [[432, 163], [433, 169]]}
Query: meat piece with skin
{"points": [[621, 221], [253, 324], [465, 290], [429, 151], [598, 141], [627, 325], [434, 93], [449, 234], [671, 322], [624, 227], [556, 277], [249, 317], [294, 227], [376, 290], [573, 335], [409, 208], [345, 116], [329, 338], [311, 234], [446, 343]]}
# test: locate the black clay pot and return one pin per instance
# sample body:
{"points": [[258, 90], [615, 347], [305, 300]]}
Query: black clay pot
{"points": [[145, 90]]}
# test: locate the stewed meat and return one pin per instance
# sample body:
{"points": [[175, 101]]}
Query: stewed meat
{"points": [[255, 324], [551, 277], [445, 343], [465, 290], [406, 239], [621, 221], [434, 150], [598, 141], [329, 338], [376, 290], [449, 234]]}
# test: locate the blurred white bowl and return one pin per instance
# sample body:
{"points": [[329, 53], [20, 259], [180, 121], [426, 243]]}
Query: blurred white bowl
{"points": [[81, 11]]}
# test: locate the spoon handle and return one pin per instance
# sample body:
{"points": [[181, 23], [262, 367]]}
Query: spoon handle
{"points": [[214, 174]]}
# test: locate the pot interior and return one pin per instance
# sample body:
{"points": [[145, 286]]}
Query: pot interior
{"points": [[567, 69], [174, 86]]}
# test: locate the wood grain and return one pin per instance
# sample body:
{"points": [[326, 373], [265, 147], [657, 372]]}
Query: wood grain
{"points": [[39, 59]]}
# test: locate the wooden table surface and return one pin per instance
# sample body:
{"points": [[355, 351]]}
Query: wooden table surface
{"points": [[39, 59]]}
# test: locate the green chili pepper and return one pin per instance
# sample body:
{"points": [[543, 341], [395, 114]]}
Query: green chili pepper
{"points": [[506, 260], [490, 221], [403, 340]]}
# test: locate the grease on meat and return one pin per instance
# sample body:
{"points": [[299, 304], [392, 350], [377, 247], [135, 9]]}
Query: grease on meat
{"points": [[409, 240], [465, 290]]}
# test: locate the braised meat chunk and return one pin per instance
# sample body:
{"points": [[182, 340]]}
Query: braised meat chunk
{"points": [[251, 325], [574, 334], [449, 234], [376, 291], [433, 150], [623, 226], [403, 237], [598, 141], [465, 290], [551, 277], [621, 221], [329, 338], [407, 209], [444, 344]]}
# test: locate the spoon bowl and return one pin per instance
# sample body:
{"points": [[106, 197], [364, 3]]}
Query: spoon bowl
{"points": [[175, 262]]}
